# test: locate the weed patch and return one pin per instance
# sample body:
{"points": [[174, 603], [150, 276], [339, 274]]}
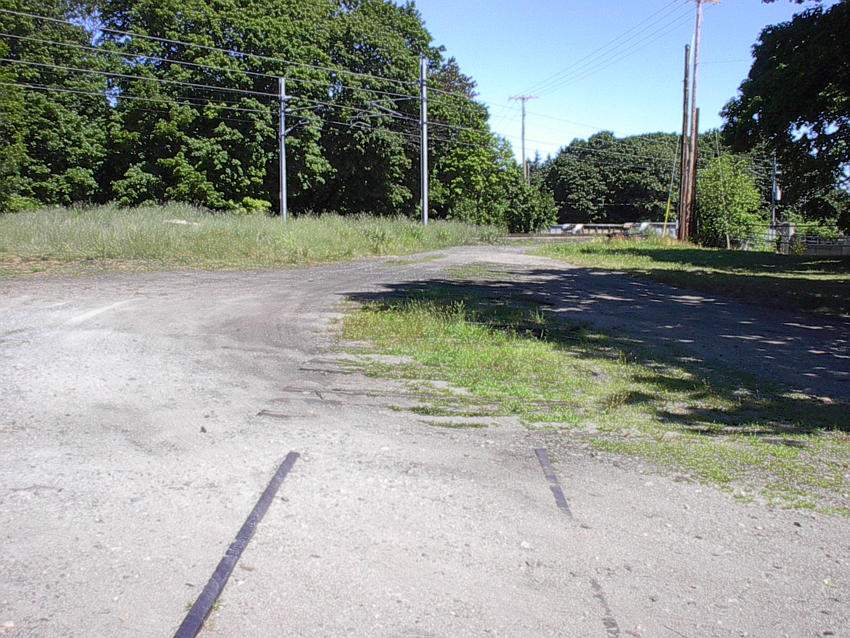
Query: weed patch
{"points": [[516, 359]]}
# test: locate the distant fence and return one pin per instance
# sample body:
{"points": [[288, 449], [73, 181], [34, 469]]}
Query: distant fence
{"points": [[782, 238], [632, 229], [817, 246]]}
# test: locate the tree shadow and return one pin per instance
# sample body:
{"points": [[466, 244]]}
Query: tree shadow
{"points": [[751, 262], [779, 281], [793, 378]]}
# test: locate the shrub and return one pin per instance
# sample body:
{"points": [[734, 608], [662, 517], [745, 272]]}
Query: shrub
{"points": [[253, 206], [728, 202], [531, 208]]}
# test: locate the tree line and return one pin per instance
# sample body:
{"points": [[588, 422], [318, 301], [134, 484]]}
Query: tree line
{"points": [[187, 115], [90, 114]]}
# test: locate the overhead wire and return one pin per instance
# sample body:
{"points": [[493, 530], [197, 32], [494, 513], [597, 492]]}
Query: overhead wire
{"points": [[138, 77], [196, 102], [541, 84], [230, 52], [290, 80], [123, 96], [101, 50], [615, 56]]}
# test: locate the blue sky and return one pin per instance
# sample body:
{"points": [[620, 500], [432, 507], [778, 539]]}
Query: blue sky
{"points": [[631, 86]]}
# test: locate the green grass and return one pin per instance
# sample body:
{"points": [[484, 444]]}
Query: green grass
{"points": [[149, 238], [814, 284], [517, 360]]}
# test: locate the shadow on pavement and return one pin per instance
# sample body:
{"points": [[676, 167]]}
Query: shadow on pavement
{"points": [[774, 280]]}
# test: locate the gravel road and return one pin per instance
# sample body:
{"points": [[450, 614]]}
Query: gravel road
{"points": [[141, 416]]}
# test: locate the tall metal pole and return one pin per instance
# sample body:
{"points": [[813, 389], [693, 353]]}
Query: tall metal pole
{"points": [[284, 208], [423, 122], [524, 160], [684, 181], [773, 194], [523, 99]]}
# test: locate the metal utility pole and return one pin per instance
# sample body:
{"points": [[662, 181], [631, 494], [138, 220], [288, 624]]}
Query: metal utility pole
{"points": [[684, 182], [423, 123], [523, 99], [774, 194], [281, 87]]}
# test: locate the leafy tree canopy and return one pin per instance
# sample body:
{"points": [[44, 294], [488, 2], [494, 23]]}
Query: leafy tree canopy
{"points": [[796, 99], [197, 122], [609, 179]]}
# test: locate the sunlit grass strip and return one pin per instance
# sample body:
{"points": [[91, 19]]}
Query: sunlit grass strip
{"points": [[628, 405]]}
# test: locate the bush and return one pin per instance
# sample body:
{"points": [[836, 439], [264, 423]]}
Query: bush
{"points": [[824, 228], [253, 206], [531, 208], [728, 202]]}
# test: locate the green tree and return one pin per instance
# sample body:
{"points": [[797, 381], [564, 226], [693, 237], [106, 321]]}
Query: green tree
{"points": [[796, 99], [728, 202], [57, 150], [186, 109], [609, 179], [12, 150]]}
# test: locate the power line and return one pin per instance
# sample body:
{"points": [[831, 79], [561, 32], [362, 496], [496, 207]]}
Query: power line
{"points": [[235, 52], [123, 96], [84, 47], [373, 113], [557, 75], [208, 67], [313, 81], [356, 124], [230, 52], [540, 85], [613, 57], [137, 77], [595, 127]]}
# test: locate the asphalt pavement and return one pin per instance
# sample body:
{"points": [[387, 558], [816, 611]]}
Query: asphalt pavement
{"points": [[143, 415]]}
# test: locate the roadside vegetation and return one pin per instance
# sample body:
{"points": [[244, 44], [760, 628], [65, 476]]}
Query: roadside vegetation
{"points": [[513, 359], [189, 237], [200, 125], [812, 284]]}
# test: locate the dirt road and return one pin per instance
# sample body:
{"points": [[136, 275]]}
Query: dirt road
{"points": [[141, 416]]}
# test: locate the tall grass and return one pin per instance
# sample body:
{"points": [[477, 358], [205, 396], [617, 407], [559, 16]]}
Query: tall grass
{"points": [[183, 235]]}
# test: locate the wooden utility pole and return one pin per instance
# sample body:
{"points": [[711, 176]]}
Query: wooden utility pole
{"points": [[692, 179], [523, 99], [692, 160], [684, 181], [423, 123]]}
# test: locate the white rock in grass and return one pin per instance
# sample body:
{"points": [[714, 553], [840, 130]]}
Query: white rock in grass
{"points": [[181, 222]]}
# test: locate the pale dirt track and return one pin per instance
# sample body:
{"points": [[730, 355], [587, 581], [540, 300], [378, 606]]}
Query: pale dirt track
{"points": [[115, 506]]}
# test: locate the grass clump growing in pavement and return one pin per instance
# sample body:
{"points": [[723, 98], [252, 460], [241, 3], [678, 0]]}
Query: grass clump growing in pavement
{"points": [[814, 284], [184, 236], [514, 359]]}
